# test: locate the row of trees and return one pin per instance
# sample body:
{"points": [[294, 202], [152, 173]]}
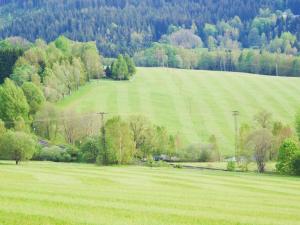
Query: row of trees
{"points": [[127, 140], [121, 142], [58, 68], [247, 60]]}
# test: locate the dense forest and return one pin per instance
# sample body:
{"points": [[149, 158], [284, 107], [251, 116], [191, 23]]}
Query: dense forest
{"points": [[126, 26]]}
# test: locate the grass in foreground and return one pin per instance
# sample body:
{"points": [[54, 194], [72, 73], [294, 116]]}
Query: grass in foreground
{"points": [[38, 193], [194, 103]]}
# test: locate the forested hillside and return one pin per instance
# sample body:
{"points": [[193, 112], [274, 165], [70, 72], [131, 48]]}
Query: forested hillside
{"points": [[129, 25]]}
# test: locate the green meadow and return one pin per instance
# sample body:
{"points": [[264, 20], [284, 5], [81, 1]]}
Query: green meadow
{"points": [[43, 193], [195, 104]]}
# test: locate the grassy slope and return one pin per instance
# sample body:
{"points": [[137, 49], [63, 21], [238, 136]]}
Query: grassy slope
{"points": [[47, 193], [194, 103]]}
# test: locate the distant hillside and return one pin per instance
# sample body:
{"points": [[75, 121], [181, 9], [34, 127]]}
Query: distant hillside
{"points": [[129, 25], [196, 104]]}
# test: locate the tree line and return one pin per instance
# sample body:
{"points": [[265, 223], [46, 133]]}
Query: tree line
{"points": [[124, 26], [247, 60]]}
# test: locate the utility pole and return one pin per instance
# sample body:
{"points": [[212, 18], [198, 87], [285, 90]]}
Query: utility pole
{"points": [[103, 138], [236, 128]]}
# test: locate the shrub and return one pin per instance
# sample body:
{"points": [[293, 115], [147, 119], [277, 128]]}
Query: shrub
{"points": [[231, 165], [57, 154], [178, 166], [89, 150], [285, 157], [152, 163]]}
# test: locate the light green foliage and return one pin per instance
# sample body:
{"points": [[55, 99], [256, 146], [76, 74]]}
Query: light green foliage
{"points": [[13, 103], [55, 154], [64, 45], [23, 73], [231, 166], [46, 122], [284, 44], [226, 58], [2, 128], [143, 133], [17, 146], [119, 69], [34, 95], [210, 30], [280, 132], [77, 194], [120, 146], [90, 57], [287, 152], [194, 103], [130, 65], [20, 125], [58, 68]]}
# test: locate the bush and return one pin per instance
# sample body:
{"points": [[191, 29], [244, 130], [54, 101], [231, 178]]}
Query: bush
{"points": [[89, 150], [152, 163], [286, 154], [178, 166], [231, 166], [198, 153], [57, 154]]}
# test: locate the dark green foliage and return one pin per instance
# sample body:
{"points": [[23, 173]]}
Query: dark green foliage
{"points": [[125, 26], [89, 149], [296, 164], [8, 57], [53, 153], [57, 154]]}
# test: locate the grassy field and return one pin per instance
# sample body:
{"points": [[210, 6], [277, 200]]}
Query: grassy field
{"points": [[45, 193], [194, 103]]}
